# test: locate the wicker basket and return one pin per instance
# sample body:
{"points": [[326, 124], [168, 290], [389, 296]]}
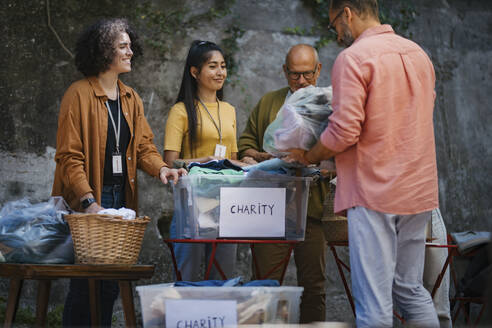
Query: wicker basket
{"points": [[106, 239], [335, 227]]}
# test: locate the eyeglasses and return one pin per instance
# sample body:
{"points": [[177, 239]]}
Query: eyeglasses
{"points": [[308, 75], [331, 27]]}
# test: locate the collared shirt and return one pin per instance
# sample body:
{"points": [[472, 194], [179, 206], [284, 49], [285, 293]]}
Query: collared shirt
{"points": [[81, 143], [383, 102], [177, 131]]}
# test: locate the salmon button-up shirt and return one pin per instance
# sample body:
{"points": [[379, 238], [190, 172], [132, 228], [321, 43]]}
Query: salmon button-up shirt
{"points": [[383, 102]]}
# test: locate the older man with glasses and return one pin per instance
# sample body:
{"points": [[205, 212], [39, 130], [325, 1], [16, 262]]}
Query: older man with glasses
{"points": [[301, 68]]}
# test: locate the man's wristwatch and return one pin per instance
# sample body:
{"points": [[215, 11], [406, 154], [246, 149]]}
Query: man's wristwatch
{"points": [[87, 202]]}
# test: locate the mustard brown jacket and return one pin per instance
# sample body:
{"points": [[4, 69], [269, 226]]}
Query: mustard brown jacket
{"points": [[81, 143]]}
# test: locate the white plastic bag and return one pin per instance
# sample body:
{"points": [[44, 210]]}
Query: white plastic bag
{"points": [[300, 121]]}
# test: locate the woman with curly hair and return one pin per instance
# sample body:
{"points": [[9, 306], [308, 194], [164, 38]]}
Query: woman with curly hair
{"points": [[102, 138], [201, 127]]}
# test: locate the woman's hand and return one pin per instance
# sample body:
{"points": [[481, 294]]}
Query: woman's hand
{"points": [[94, 208], [167, 174]]}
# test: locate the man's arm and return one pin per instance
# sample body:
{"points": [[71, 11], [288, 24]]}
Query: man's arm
{"points": [[313, 156], [249, 149]]}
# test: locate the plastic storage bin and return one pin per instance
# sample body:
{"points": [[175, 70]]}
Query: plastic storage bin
{"points": [[255, 305], [197, 204]]}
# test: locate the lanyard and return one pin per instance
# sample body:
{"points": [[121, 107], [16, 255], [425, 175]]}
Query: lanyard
{"points": [[116, 131], [213, 121]]}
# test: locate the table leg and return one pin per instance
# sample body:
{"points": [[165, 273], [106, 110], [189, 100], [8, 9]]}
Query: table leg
{"points": [[175, 264], [94, 300], [211, 260], [219, 268], [127, 301], [13, 301], [42, 302], [342, 275], [255, 262], [286, 263], [441, 274]]}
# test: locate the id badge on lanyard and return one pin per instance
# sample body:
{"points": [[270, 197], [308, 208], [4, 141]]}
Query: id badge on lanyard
{"points": [[117, 164], [220, 151], [117, 158]]}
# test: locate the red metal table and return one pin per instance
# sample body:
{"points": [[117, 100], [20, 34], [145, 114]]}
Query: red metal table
{"points": [[252, 242]]}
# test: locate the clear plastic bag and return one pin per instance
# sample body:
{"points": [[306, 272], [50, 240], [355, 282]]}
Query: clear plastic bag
{"points": [[35, 233], [300, 121]]}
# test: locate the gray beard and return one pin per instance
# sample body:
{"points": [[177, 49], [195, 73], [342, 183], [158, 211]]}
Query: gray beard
{"points": [[347, 38]]}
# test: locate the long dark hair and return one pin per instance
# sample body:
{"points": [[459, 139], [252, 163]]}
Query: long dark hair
{"points": [[199, 53], [94, 51]]}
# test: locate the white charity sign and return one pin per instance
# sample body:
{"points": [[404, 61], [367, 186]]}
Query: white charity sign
{"points": [[200, 313], [252, 213]]}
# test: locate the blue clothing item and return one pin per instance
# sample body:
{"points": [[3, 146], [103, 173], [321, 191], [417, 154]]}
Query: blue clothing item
{"points": [[76, 312], [216, 165], [468, 239], [234, 282], [35, 233], [262, 283], [197, 170], [278, 166]]}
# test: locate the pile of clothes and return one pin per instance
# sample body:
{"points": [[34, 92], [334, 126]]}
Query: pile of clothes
{"points": [[35, 233], [197, 196]]}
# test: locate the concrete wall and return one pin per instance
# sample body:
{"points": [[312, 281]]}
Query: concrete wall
{"points": [[35, 71]]}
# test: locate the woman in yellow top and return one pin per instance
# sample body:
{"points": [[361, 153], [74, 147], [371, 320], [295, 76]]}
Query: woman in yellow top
{"points": [[201, 127]]}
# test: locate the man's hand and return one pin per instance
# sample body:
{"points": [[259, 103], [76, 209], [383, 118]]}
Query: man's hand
{"points": [[262, 156], [296, 155], [167, 174], [249, 160], [255, 155]]}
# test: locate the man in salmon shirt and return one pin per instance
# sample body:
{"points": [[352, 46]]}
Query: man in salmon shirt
{"points": [[382, 135]]}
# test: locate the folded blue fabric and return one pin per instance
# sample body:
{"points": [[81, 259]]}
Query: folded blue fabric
{"points": [[209, 283], [216, 165], [234, 282], [278, 166], [264, 283]]}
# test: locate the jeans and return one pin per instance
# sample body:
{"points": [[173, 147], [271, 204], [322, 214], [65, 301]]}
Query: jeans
{"points": [[189, 257], [76, 312]]}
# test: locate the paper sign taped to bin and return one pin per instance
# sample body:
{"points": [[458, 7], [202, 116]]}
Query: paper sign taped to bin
{"points": [[201, 313], [252, 213]]}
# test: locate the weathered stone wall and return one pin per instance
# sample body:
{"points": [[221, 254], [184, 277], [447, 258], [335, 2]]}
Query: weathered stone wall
{"points": [[35, 71]]}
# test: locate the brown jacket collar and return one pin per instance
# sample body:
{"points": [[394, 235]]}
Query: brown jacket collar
{"points": [[99, 92]]}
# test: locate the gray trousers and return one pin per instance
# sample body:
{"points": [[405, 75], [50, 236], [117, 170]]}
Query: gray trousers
{"points": [[387, 262]]}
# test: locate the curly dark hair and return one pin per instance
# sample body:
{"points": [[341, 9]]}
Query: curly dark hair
{"points": [[95, 50]]}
